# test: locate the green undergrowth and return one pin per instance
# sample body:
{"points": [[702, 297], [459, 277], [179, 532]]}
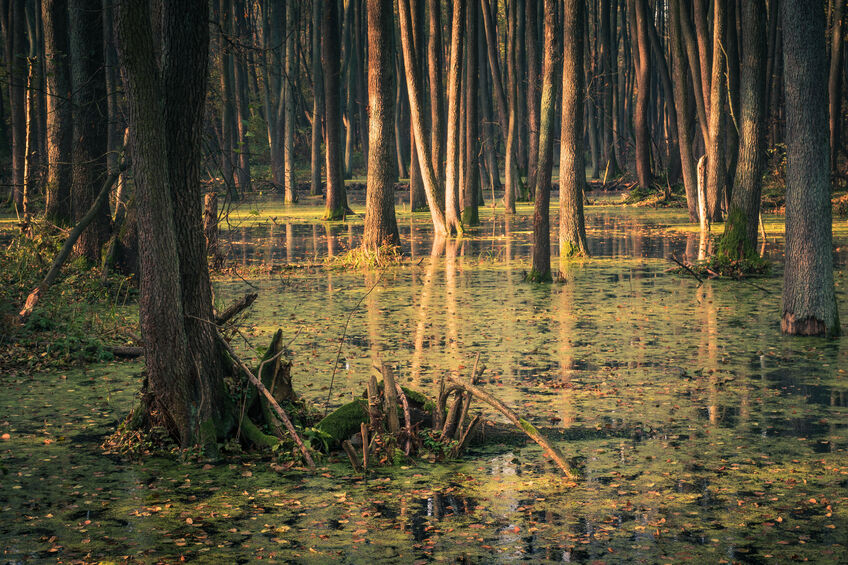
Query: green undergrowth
{"points": [[367, 258], [74, 321]]}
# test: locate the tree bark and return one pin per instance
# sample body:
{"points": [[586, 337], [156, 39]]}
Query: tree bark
{"points": [[452, 148], [470, 214], [435, 62], [531, 40], [380, 222], [290, 186], [336, 198], [681, 106], [317, 99], [834, 84], [541, 270], [572, 171], [640, 117], [809, 299], [716, 166]]}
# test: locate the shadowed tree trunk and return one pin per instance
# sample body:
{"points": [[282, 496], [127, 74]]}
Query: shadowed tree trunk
{"points": [[417, 193], [452, 149], [184, 390], [317, 99], [336, 198], [59, 118], [288, 142], [531, 40], [740, 237], [640, 116], [572, 171], [692, 54], [90, 122], [681, 106], [380, 222], [471, 189], [834, 83], [715, 150], [17, 69], [809, 299], [435, 61], [541, 270]]}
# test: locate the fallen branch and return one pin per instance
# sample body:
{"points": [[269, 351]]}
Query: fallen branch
{"points": [[272, 401], [56, 266], [236, 308], [693, 273], [520, 423]]}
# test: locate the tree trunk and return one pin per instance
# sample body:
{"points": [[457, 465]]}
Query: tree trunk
{"points": [[541, 270], [336, 198], [682, 107], [715, 151], [416, 109], [609, 69], [531, 40], [417, 192], [809, 300], [740, 237], [834, 84], [317, 100], [694, 67], [643, 74], [452, 149], [731, 114], [512, 182], [705, 47], [380, 222], [435, 62], [288, 142], [572, 172], [59, 117], [228, 134], [470, 214], [90, 127], [17, 68]]}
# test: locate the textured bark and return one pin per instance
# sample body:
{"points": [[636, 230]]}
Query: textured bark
{"points": [[290, 185], [228, 134], [541, 269], [336, 198], [471, 190], [511, 192], [681, 106], [572, 172], [317, 99], [242, 101], [809, 300], [670, 101], [17, 69], [834, 83], [380, 222], [706, 47], [452, 148], [694, 67], [531, 40], [417, 193], [609, 68], [716, 166], [59, 118], [643, 74], [731, 113], [90, 124], [744, 212], [416, 109]]}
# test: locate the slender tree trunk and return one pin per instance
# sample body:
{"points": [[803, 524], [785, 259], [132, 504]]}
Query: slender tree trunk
{"points": [[317, 99], [609, 68], [90, 127], [731, 114], [512, 181], [288, 143], [417, 194], [682, 107], [809, 300], [336, 198], [716, 167], [380, 222], [640, 117], [228, 134], [452, 149], [17, 51], [695, 68], [59, 117], [572, 171], [740, 237], [672, 133], [705, 47], [531, 40], [416, 110], [437, 95], [470, 215], [834, 84], [242, 101], [541, 270]]}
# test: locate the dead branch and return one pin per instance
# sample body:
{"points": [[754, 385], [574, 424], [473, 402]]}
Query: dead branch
{"points": [[274, 405], [351, 454], [236, 308]]}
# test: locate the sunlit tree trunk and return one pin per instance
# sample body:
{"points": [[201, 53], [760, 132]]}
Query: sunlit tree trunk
{"points": [[417, 193], [572, 172], [380, 222], [317, 99], [452, 149], [692, 54], [471, 189], [680, 77], [541, 270], [335, 198], [435, 62], [531, 39], [809, 300], [643, 74], [288, 143], [834, 82], [716, 166], [740, 237]]}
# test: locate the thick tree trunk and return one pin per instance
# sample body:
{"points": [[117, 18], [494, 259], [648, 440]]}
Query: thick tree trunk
{"points": [[380, 222], [705, 47], [416, 109], [809, 300], [572, 172], [682, 107], [743, 216], [336, 198], [59, 117], [452, 148], [834, 83], [716, 166], [643, 74], [90, 126], [541, 269]]}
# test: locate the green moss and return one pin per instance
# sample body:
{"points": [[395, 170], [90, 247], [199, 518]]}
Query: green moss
{"points": [[535, 276], [471, 216], [344, 421], [570, 249]]}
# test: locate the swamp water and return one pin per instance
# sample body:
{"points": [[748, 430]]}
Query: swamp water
{"points": [[701, 433]]}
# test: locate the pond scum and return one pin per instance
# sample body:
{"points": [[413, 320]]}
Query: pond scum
{"points": [[700, 434]]}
